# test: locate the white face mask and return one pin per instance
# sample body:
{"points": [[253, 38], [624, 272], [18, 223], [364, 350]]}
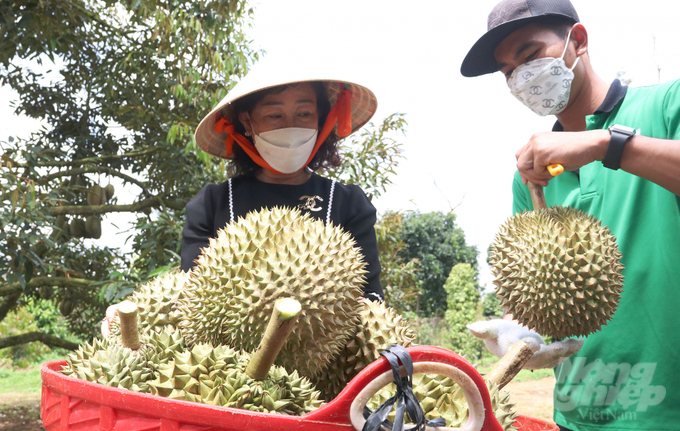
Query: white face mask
{"points": [[286, 150], [544, 84]]}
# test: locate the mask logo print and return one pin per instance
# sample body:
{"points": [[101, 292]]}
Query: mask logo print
{"points": [[544, 84]]}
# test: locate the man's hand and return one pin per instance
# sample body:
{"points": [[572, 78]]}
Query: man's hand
{"points": [[570, 149], [106, 323], [499, 335]]}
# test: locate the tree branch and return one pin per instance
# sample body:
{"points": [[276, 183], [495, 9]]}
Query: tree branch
{"points": [[95, 160], [48, 339], [95, 169], [14, 289], [103, 209]]}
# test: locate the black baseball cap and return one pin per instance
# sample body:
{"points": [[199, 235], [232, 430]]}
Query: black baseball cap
{"points": [[505, 18]]}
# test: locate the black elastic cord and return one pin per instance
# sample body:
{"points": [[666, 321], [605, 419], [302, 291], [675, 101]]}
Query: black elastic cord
{"points": [[404, 398]]}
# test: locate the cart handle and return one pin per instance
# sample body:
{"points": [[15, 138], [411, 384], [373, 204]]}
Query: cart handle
{"points": [[347, 407], [472, 395]]}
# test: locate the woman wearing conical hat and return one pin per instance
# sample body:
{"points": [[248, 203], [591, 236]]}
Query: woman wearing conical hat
{"points": [[278, 126]]}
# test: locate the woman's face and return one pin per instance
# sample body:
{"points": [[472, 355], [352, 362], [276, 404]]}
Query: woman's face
{"points": [[293, 107]]}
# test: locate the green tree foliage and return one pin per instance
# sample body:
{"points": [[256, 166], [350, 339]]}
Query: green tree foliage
{"points": [[398, 277], [433, 331], [120, 87], [19, 321], [370, 158], [491, 306], [35, 315], [463, 301], [438, 244]]}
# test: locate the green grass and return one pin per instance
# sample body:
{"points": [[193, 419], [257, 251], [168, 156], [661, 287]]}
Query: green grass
{"points": [[523, 375], [25, 379], [488, 361], [18, 381]]}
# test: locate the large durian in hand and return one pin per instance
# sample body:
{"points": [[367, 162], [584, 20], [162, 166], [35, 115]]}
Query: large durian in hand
{"points": [[266, 255], [156, 303], [558, 271], [379, 327], [441, 397]]}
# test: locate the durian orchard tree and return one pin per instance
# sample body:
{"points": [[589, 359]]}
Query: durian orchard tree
{"points": [[464, 306], [119, 87], [438, 244], [398, 276]]}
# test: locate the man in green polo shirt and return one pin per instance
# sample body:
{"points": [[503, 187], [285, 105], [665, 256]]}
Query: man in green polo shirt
{"points": [[621, 150]]}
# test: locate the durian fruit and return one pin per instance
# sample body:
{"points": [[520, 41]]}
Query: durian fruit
{"points": [[66, 306], [379, 327], [108, 192], [93, 227], [156, 302], [61, 221], [266, 255], [77, 228], [225, 377], [109, 363], [441, 397], [216, 375], [558, 271], [96, 195]]}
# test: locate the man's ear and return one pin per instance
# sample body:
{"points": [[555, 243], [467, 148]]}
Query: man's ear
{"points": [[244, 118], [579, 35]]}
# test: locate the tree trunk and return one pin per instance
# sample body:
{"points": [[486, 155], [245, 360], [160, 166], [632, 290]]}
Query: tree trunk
{"points": [[8, 304]]}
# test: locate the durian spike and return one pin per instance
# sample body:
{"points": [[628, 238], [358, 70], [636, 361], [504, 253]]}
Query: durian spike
{"points": [[127, 310], [510, 364], [537, 197], [283, 319]]}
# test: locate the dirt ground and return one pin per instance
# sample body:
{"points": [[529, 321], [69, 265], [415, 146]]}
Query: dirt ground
{"points": [[20, 412], [533, 397]]}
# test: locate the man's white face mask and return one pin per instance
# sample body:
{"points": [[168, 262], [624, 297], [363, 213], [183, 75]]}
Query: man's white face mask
{"points": [[544, 84], [286, 150]]}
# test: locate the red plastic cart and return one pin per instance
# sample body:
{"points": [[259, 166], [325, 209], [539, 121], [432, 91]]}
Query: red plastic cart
{"points": [[70, 404]]}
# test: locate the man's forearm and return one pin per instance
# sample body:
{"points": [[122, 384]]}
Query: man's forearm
{"points": [[656, 160]]}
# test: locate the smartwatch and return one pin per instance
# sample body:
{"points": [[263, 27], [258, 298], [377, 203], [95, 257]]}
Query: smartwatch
{"points": [[617, 141]]}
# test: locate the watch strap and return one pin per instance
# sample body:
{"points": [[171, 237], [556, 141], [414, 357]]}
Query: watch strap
{"points": [[617, 143]]}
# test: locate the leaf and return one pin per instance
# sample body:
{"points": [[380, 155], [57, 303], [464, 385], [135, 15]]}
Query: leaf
{"points": [[160, 270]]}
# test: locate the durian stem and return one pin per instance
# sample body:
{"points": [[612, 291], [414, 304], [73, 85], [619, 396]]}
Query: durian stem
{"points": [[509, 365], [127, 311], [284, 317], [537, 197]]}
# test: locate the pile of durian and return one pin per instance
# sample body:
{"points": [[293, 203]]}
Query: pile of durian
{"points": [[201, 336]]}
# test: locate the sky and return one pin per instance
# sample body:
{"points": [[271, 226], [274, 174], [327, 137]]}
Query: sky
{"points": [[462, 133]]}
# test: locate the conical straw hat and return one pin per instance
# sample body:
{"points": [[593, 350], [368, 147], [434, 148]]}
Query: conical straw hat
{"points": [[272, 73]]}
